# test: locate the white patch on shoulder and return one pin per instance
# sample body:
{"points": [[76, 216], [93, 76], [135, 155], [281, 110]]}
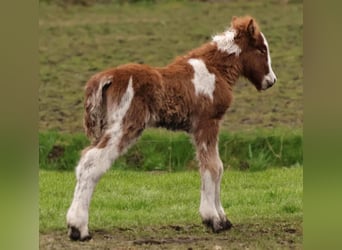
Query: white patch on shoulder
{"points": [[225, 42], [203, 80]]}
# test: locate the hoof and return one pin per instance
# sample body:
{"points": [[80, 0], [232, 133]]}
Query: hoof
{"points": [[218, 226], [226, 225], [74, 234], [208, 223]]}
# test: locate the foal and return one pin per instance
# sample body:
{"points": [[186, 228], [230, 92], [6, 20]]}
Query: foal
{"points": [[190, 94]]}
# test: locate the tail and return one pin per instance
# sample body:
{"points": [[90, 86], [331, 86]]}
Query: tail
{"points": [[95, 117]]}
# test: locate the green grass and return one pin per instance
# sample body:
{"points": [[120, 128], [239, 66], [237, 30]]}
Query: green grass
{"points": [[168, 151], [140, 199], [76, 42]]}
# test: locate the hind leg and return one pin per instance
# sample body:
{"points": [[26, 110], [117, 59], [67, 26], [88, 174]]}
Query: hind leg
{"points": [[95, 162], [92, 165]]}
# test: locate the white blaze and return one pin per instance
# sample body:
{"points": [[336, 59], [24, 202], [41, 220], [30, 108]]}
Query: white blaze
{"points": [[270, 77]]}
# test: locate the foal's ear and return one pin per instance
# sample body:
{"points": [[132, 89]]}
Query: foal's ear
{"points": [[234, 18], [251, 28], [232, 22]]}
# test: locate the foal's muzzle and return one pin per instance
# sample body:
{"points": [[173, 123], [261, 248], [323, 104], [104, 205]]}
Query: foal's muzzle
{"points": [[268, 81]]}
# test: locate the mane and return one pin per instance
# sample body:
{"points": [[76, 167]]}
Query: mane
{"points": [[225, 42]]}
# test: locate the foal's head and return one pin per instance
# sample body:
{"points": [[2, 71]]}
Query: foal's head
{"points": [[255, 54]]}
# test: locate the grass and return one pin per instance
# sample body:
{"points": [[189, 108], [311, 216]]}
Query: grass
{"points": [[145, 204], [167, 151], [128, 199], [76, 42]]}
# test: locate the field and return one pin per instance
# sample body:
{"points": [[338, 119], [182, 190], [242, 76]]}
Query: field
{"points": [[150, 199], [160, 210]]}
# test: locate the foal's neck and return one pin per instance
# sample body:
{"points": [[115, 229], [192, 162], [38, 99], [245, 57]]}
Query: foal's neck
{"points": [[228, 66]]}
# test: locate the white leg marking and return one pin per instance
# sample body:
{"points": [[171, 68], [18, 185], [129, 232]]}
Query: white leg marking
{"points": [[91, 167], [203, 80], [270, 78], [225, 42], [94, 163], [207, 207]]}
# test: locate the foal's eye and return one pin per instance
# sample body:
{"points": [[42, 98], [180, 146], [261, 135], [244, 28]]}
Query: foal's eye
{"points": [[263, 51]]}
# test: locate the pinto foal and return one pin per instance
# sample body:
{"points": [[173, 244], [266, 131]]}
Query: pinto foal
{"points": [[190, 94]]}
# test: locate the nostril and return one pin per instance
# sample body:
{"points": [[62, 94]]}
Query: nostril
{"points": [[274, 81]]}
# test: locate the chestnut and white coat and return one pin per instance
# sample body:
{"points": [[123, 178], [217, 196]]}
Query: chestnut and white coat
{"points": [[190, 94]]}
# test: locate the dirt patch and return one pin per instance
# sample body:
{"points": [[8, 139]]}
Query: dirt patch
{"points": [[276, 235]]}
